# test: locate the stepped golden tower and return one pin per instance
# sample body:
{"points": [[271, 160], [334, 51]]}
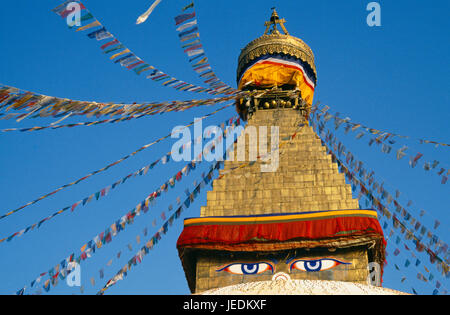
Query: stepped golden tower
{"points": [[296, 220]]}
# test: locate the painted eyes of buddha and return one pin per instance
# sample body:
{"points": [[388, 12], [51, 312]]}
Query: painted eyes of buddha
{"points": [[247, 268], [306, 265], [315, 265]]}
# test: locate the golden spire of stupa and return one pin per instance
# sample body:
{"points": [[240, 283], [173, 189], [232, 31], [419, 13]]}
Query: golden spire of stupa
{"points": [[274, 42], [274, 20]]}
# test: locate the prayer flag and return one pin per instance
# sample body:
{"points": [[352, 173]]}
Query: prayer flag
{"points": [[91, 25], [183, 17], [186, 25]]}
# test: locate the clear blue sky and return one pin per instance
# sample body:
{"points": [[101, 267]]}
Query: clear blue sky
{"points": [[394, 77]]}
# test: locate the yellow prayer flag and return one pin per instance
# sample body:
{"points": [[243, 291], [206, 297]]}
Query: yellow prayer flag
{"points": [[24, 99], [93, 24], [119, 54]]}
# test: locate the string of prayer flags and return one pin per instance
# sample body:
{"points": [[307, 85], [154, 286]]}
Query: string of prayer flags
{"points": [[106, 237], [106, 167], [103, 238], [39, 105], [331, 139], [189, 35], [340, 149], [145, 231], [382, 135], [419, 246], [385, 147], [88, 123], [396, 266], [190, 196], [383, 192], [422, 277], [383, 210], [103, 192], [131, 61], [149, 245], [407, 216]]}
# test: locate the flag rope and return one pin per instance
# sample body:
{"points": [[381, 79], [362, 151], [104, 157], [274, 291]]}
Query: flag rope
{"points": [[384, 211], [189, 35], [123, 55], [367, 174], [39, 105], [386, 148], [104, 191], [106, 167], [106, 236]]}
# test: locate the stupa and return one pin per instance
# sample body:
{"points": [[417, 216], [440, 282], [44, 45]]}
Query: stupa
{"points": [[296, 223]]}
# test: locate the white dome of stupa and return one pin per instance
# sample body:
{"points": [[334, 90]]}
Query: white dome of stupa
{"points": [[301, 287]]}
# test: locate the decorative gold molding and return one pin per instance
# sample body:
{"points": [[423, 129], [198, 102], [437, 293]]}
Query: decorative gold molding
{"points": [[276, 43]]}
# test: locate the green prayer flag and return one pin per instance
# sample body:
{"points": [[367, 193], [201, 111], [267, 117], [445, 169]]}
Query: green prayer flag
{"points": [[191, 5]]}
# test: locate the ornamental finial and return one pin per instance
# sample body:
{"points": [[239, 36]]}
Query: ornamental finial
{"points": [[274, 20]]}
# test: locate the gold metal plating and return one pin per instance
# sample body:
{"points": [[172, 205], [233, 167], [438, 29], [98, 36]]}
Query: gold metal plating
{"points": [[276, 43]]}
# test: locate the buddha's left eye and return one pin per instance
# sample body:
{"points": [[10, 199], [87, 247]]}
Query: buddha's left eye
{"points": [[247, 268], [316, 264]]}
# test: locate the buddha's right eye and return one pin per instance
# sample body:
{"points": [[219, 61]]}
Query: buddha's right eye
{"points": [[247, 268]]}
